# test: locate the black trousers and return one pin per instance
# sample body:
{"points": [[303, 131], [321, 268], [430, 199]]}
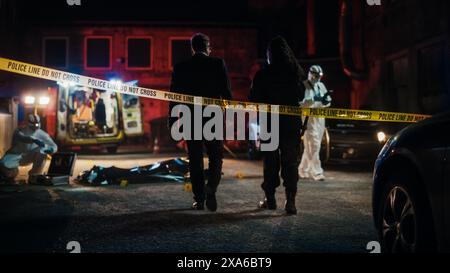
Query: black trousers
{"points": [[287, 159], [214, 150]]}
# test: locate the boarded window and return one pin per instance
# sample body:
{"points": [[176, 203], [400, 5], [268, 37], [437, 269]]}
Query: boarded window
{"points": [[98, 53], [432, 70], [399, 75], [139, 53], [55, 52], [5, 106], [181, 51], [432, 78]]}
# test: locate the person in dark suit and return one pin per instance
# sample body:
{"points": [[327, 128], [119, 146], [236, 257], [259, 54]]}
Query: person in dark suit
{"points": [[205, 76], [280, 83]]}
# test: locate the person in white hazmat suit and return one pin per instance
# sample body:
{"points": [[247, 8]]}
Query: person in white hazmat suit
{"points": [[30, 145], [316, 96]]}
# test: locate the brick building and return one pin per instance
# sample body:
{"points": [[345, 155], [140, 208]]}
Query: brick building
{"points": [[141, 53], [397, 54]]}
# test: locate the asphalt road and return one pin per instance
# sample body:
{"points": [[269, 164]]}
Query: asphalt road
{"points": [[334, 216]]}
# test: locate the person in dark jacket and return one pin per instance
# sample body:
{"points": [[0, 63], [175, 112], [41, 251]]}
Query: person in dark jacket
{"points": [[205, 76], [100, 115], [280, 83]]}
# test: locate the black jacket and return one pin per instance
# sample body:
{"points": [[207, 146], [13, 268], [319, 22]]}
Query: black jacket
{"points": [[276, 85], [202, 76], [279, 86]]}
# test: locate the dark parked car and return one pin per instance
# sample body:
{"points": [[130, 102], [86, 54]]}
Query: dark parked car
{"points": [[345, 141], [411, 191], [349, 141]]}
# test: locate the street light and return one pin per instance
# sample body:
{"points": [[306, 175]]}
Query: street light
{"points": [[44, 100], [67, 84], [381, 137], [29, 100], [35, 102], [116, 84]]}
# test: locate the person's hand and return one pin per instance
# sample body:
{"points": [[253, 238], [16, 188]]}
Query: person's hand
{"points": [[318, 98], [327, 97], [326, 100], [38, 142]]}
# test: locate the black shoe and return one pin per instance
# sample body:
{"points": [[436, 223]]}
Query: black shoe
{"points": [[211, 202], [269, 203], [198, 206], [290, 204]]}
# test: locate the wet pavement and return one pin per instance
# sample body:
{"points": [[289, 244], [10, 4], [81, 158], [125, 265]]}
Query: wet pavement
{"points": [[334, 216]]}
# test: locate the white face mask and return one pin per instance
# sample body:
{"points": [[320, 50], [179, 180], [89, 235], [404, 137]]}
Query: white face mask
{"points": [[34, 122], [313, 78]]}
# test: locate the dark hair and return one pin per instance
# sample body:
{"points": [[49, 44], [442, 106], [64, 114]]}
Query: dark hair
{"points": [[280, 54], [199, 42]]}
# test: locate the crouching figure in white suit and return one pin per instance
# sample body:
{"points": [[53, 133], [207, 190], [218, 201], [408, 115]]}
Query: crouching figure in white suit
{"points": [[30, 145]]}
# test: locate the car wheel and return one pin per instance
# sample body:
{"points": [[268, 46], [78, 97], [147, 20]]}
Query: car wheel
{"points": [[404, 225]]}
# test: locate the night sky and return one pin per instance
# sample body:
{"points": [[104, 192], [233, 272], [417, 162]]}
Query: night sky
{"points": [[58, 11], [278, 17]]}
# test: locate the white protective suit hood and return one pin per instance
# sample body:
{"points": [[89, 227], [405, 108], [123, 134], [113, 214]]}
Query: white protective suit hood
{"points": [[315, 74], [34, 122]]}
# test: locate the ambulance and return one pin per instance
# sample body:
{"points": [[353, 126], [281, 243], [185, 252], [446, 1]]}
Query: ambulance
{"points": [[87, 116]]}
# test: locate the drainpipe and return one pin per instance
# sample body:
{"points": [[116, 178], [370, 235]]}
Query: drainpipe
{"points": [[311, 28], [345, 43]]}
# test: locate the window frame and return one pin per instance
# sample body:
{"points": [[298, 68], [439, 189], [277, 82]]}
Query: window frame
{"points": [[420, 49], [171, 39], [142, 37], [44, 47], [93, 37]]}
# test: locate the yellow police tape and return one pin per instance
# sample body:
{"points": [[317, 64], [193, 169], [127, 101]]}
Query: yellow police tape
{"points": [[329, 113]]}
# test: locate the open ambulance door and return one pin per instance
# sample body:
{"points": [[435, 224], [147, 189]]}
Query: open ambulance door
{"points": [[132, 117]]}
